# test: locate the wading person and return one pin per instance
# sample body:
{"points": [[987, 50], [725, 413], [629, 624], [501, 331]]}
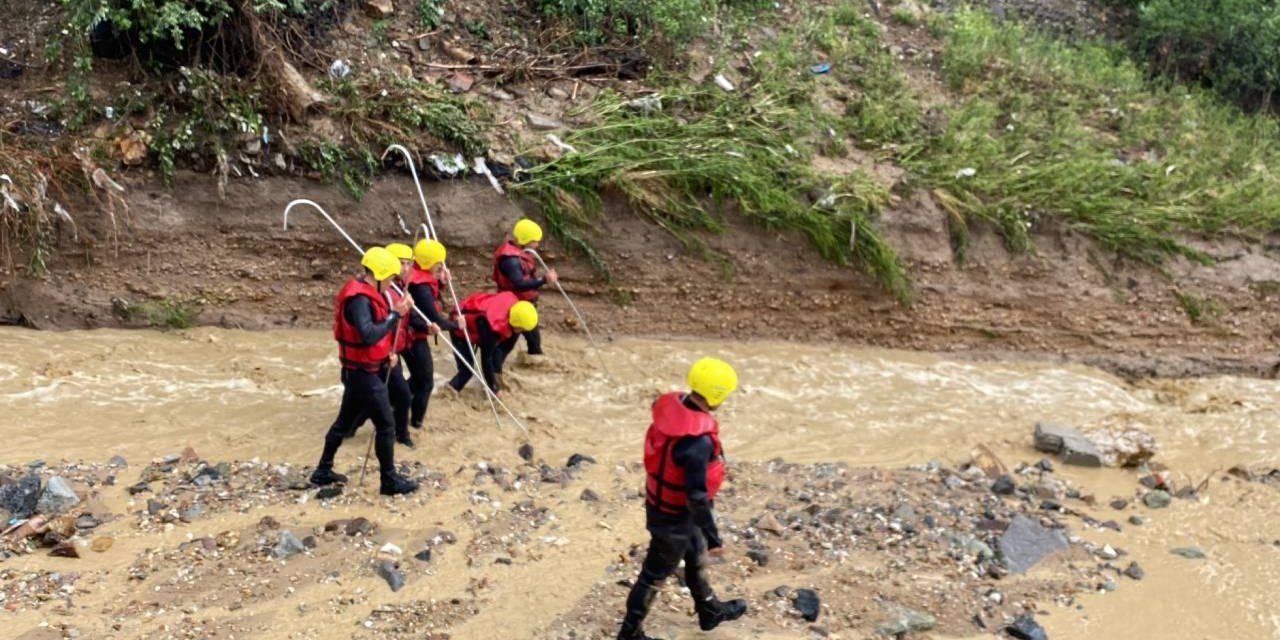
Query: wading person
{"points": [[425, 278], [397, 387], [494, 323], [684, 468], [516, 270], [365, 322]]}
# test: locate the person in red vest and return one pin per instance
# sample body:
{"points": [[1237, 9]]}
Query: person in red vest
{"points": [[515, 270], [397, 387], [494, 323], [425, 279], [364, 324], [684, 465]]}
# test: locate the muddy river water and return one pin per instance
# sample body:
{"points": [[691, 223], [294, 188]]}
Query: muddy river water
{"points": [[238, 395]]}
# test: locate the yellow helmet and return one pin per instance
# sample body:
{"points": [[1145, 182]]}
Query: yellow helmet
{"points": [[527, 231], [428, 253], [400, 250], [381, 263], [523, 316], [712, 379]]}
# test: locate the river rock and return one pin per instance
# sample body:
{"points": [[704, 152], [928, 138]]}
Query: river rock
{"points": [[903, 620], [1003, 486], [578, 459], [1137, 520], [1025, 627], [424, 555], [759, 556], [58, 496], [1157, 499], [542, 123], [379, 9], [526, 452], [117, 461], [288, 545], [1074, 447], [1124, 447], [1190, 553], [769, 523], [1134, 571], [20, 498], [388, 571], [101, 544], [806, 601], [359, 527], [1025, 543], [87, 521], [589, 496], [329, 492], [65, 549]]}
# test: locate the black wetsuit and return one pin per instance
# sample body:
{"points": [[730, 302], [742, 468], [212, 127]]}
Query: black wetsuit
{"points": [[674, 537], [511, 268], [417, 356], [364, 393], [493, 352]]}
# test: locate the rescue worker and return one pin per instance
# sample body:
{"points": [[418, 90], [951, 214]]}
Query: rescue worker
{"points": [[494, 323], [516, 270], [364, 325], [684, 464], [397, 386], [425, 278]]}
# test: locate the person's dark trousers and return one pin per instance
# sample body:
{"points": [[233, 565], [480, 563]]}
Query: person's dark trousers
{"points": [[533, 341], [364, 395], [462, 348], [417, 359], [398, 391], [668, 545], [499, 357]]}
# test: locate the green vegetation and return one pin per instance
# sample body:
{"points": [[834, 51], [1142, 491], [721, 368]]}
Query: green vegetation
{"points": [[703, 152], [164, 313], [1231, 46], [1199, 309], [1048, 133], [429, 13]]}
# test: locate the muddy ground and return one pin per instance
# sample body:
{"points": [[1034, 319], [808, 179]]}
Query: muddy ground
{"points": [[1069, 300]]}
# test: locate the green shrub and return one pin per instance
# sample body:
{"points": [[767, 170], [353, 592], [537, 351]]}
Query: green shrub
{"points": [[598, 21], [1232, 46]]}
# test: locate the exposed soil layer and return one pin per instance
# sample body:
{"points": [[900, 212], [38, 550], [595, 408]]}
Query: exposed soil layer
{"points": [[184, 247]]}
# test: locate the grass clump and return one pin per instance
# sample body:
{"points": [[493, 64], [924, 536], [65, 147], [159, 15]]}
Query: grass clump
{"points": [[1199, 309], [1049, 132]]}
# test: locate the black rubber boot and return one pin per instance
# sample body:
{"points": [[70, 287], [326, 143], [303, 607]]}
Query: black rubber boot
{"points": [[415, 425], [632, 631], [324, 477], [712, 612], [406, 441], [396, 484]]}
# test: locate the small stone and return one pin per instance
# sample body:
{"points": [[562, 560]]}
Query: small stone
{"points": [[117, 461], [578, 459], [189, 454], [1025, 543], [424, 555], [1157, 499], [1119, 504], [1110, 524], [155, 506], [781, 591], [192, 513], [268, 523], [526, 452], [1108, 552], [388, 571], [1134, 571], [954, 482], [424, 43], [1190, 553], [1003, 486], [1025, 627], [87, 521], [65, 549], [21, 498], [330, 492], [139, 488], [807, 603], [310, 542], [1045, 464], [379, 9], [359, 527], [390, 549], [589, 496], [460, 82], [542, 123], [903, 620], [1109, 585], [1074, 446], [1137, 520], [101, 543], [759, 556], [558, 93], [289, 545], [769, 523], [171, 458]]}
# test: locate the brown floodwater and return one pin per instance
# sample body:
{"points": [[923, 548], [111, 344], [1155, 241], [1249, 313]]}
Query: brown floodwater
{"points": [[90, 395]]}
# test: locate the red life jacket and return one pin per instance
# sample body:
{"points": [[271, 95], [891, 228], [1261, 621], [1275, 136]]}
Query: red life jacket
{"points": [[352, 352], [493, 307], [510, 249], [423, 276], [672, 421]]}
